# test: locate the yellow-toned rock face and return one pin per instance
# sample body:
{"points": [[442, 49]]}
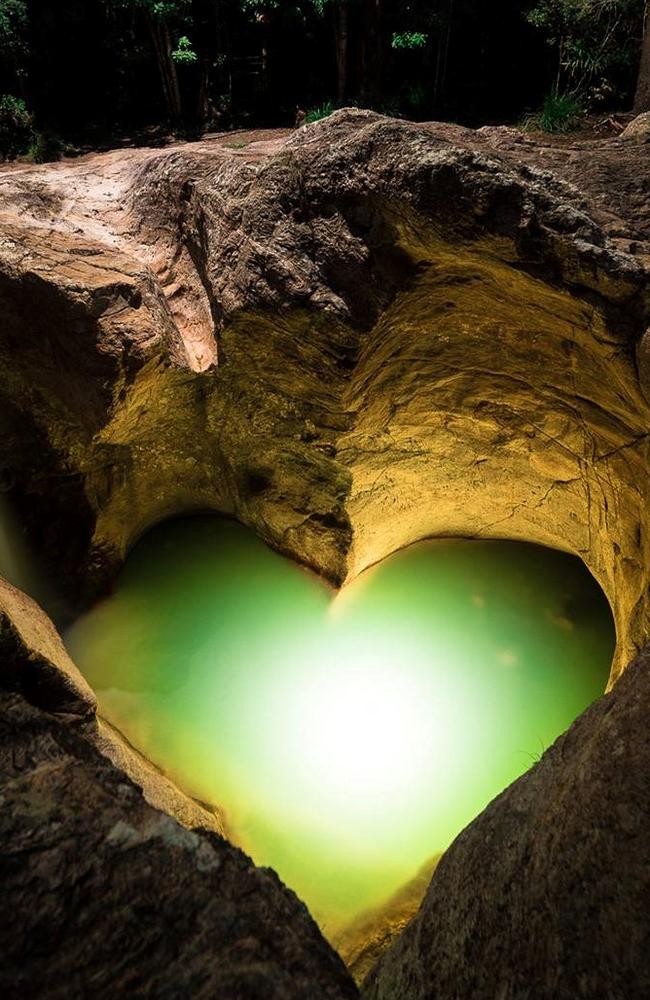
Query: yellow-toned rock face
{"points": [[413, 339], [483, 403], [363, 335], [492, 405], [351, 339]]}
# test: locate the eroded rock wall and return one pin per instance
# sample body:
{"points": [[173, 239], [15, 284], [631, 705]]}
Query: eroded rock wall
{"points": [[349, 338], [491, 404], [406, 332]]}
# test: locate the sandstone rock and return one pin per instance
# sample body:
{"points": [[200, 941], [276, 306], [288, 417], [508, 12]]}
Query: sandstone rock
{"points": [[643, 361], [34, 659], [35, 664], [547, 893], [350, 338], [104, 896], [421, 331], [362, 944], [638, 129]]}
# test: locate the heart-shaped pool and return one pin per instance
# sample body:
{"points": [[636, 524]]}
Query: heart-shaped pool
{"points": [[349, 736]]}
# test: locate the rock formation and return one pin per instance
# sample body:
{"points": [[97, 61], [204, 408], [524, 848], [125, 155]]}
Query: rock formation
{"points": [[413, 338], [638, 129], [104, 895], [365, 940], [547, 893], [350, 338]]}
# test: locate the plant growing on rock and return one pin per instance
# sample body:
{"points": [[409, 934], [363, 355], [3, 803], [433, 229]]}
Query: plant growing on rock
{"points": [[318, 113]]}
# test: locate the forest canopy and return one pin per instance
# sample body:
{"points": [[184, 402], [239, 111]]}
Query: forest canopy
{"points": [[91, 71]]}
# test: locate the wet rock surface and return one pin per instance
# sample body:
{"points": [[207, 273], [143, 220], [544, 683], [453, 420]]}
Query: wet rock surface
{"points": [[547, 893], [35, 665]]}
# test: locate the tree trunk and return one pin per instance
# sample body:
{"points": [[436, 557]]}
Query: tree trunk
{"points": [[205, 39], [341, 28], [167, 67], [642, 98], [372, 52]]}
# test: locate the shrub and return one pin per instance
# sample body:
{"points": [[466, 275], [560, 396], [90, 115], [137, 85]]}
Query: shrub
{"points": [[560, 113], [184, 54], [409, 40], [46, 148], [595, 43], [320, 112], [16, 131]]}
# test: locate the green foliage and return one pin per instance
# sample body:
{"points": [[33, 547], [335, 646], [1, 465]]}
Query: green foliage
{"points": [[13, 43], [13, 26], [46, 148], [593, 40], [322, 111], [102, 67], [176, 12], [409, 40], [560, 113], [184, 54], [16, 132], [164, 9], [168, 8]]}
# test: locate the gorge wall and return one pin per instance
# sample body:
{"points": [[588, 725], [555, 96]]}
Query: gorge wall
{"points": [[349, 338], [413, 339]]}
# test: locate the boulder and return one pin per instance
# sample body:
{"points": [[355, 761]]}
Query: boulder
{"points": [[639, 129], [104, 895], [547, 893]]}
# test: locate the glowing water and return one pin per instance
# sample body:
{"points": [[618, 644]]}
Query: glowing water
{"points": [[349, 737]]}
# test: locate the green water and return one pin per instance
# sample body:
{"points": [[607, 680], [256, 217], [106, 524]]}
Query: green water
{"points": [[349, 737]]}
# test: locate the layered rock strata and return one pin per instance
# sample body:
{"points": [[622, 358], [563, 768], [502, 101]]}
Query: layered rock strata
{"points": [[350, 338]]}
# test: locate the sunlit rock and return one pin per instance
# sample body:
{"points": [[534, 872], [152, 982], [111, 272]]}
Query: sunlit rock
{"points": [[413, 338]]}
